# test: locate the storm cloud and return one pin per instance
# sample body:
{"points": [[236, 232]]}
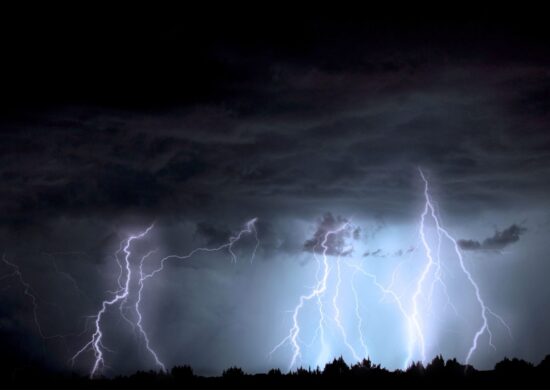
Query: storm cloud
{"points": [[205, 121], [308, 126], [498, 241], [332, 236]]}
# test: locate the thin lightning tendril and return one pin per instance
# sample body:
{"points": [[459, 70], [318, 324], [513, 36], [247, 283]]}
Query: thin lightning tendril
{"points": [[317, 292], [31, 293], [410, 305], [484, 310], [125, 280], [337, 311], [385, 291], [96, 342], [358, 316]]}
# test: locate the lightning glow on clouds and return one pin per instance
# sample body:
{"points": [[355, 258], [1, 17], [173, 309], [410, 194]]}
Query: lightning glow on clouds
{"points": [[415, 305], [411, 299], [125, 279]]}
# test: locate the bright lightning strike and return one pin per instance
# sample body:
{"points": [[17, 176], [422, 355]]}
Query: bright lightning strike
{"points": [[316, 293], [414, 305], [411, 304], [358, 316], [484, 310], [249, 228], [127, 278], [96, 342], [337, 311]]}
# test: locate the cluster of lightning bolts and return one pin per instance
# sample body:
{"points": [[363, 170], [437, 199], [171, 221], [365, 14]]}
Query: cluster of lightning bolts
{"points": [[131, 274], [132, 279], [430, 276]]}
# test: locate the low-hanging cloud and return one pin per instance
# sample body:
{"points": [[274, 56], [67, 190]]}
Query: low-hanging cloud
{"points": [[498, 241], [214, 235], [336, 244]]}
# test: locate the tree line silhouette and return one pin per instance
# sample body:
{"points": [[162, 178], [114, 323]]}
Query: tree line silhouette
{"points": [[508, 373]]}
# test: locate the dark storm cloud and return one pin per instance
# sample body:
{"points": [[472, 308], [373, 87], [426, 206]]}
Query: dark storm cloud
{"points": [[380, 253], [215, 120], [375, 253], [213, 235], [320, 135], [498, 241], [337, 242]]}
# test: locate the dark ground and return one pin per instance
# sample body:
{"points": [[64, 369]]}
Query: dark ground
{"points": [[508, 373]]}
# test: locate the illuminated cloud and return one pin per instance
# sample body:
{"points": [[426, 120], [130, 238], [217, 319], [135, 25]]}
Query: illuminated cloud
{"points": [[337, 244]]}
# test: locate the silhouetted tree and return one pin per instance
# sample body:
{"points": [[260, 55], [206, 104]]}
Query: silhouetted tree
{"points": [[148, 378], [338, 367], [233, 372], [302, 372], [513, 367], [415, 368], [454, 368], [514, 373], [182, 373], [361, 368], [436, 366], [544, 365], [275, 372]]}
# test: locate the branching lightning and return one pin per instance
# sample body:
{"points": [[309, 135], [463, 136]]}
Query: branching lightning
{"points": [[337, 319], [96, 342], [484, 310], [316, 293], [126, 280], [412, 305], [414, 300], [32, 295], [358, 316]]}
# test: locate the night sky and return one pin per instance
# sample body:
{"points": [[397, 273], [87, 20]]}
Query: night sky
{"points": [[200, 120]]}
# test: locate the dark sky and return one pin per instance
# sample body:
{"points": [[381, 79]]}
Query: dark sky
{"points": [[201, 119]]}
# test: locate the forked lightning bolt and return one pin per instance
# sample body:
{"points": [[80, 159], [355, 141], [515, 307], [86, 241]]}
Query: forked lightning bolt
{"points": [[316, 293], [125, 280], [387, 291], [249, 228], [96, 342], [29, 292], [410, 304], [484, 310], [358, 316], [337, 311]]}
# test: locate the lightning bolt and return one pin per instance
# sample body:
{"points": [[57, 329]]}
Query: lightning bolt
{"points": [[316, 293], [358, 316], [140, 316], [125, 280], [410, 304], [70, 278], [484, 310], [249, 228], [33, 296], [96, 342], [337, 311], [386, 291]]}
